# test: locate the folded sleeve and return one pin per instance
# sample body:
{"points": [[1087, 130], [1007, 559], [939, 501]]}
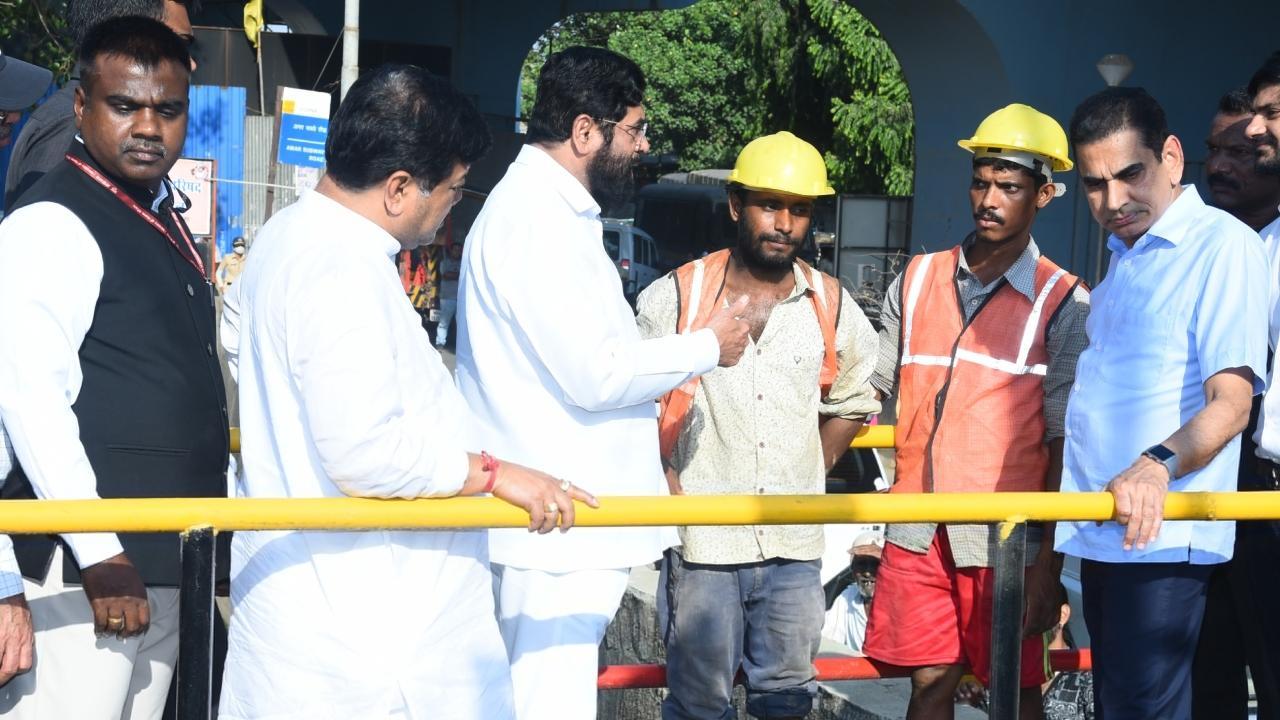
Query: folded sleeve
{"points": [[1231, 319], [852, 395]]}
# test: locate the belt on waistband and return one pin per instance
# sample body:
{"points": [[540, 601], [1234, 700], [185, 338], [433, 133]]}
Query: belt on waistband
{"points": [[1268, 472]]}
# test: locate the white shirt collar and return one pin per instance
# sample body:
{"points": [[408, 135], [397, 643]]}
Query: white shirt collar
{"points": [[361, 226], [573, 192], [1173, 225]]}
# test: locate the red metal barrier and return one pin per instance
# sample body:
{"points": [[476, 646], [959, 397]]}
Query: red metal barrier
{"points": [[624, 677]]}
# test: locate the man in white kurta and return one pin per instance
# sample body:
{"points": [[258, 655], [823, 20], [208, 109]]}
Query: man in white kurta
{"points": [[380, 609], [554, 370], [342, 394]]}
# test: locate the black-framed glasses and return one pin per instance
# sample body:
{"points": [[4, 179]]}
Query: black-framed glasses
{"points": [[637, 132]]}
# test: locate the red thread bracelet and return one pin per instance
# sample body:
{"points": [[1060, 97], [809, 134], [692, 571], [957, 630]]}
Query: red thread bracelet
{"points": [[489, 464]]}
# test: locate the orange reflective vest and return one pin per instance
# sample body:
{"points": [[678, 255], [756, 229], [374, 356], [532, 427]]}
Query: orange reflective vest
{"points": [[699, 285], [971, 395]]}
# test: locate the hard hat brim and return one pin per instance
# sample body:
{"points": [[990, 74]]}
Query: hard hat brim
{"points": [[1058, 164], [825, 192]]}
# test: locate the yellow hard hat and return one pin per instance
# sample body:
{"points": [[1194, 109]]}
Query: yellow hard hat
{"points": [[1019, 127], [782, 162]]}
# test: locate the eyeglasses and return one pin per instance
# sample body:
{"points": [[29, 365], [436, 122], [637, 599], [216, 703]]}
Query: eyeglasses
{"points": [[637, 132]]}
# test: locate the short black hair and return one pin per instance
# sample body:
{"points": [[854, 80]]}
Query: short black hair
{"points": [[1115, 109], [82, 15], [1000, 164], [401, 117], [1267, 75], [140, 39], [588, 81], [1237, 101]]}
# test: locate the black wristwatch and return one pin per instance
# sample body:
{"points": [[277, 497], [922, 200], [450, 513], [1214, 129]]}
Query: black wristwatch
{"points": [[1164, 456]]}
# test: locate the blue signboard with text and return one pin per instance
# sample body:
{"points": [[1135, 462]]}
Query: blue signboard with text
{"points": [[304, 126]]}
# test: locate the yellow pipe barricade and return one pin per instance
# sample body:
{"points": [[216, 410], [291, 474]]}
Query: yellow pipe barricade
{"points": [[873, 436], [177, 515]]}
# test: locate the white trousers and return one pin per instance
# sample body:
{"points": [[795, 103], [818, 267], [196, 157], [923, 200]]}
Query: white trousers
{"points": [[552, 624], [78, 675]]}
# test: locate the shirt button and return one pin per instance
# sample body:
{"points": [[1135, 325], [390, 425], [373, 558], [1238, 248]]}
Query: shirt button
{"points": [[761, 491], [759, 351], [191, 292], [762, 444], [759, 397]]}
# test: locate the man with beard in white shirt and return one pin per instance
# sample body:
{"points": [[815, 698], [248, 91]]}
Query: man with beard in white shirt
{"points": [[553, 367], [342, 394]]}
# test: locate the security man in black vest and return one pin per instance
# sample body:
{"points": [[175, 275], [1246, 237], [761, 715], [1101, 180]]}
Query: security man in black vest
{"points": [[109, 382]]}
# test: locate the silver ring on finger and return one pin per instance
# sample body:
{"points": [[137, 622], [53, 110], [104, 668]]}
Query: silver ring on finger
{"points": [[565, 485], [552, 508]]}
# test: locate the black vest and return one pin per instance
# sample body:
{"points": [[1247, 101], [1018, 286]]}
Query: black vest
{"points": [[152, 409]]}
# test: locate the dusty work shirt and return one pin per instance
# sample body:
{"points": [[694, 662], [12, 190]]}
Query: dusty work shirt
{"points": [[342, 394], [753, 427], [974, 545], [1186, 302]]}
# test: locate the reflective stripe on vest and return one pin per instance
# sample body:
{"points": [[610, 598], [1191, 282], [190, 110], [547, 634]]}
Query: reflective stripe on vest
{"points": [[971, 388], [1017, 366]]}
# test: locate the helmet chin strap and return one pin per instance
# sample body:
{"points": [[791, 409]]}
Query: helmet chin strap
{"points": [[1035, 163]]}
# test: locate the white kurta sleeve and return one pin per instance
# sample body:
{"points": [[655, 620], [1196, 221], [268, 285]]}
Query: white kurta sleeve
{"points": [[342, 336], [50, 275], [597, 358]]}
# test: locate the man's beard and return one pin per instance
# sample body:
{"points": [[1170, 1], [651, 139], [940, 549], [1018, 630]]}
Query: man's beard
{"points": [[1269, 165], [610, 178], [751, 249]]}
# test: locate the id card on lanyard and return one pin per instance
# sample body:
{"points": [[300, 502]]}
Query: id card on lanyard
{"points": [[190, 254]]}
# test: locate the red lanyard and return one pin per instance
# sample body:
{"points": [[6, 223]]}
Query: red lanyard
{"points": [[193, 256]]}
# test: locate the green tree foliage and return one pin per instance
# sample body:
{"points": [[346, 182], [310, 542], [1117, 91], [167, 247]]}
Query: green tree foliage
{"points": [[724, 71], [36, 31]]}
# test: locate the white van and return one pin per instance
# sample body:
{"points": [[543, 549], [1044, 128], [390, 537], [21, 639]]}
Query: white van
{"points": [[635, 253]]}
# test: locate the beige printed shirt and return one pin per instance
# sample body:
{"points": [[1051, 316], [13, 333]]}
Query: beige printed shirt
{"points": [[753, 427]]}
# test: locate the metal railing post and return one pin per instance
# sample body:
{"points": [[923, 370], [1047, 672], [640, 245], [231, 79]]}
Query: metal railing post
{"points": [[1006, 620], [195, 614]]}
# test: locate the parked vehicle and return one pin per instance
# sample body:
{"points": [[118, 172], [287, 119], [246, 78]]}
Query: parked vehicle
{"points": [[635, 253]]}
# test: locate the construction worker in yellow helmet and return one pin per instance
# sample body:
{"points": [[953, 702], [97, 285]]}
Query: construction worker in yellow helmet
{"points": [[979, 342], [772, 424]]}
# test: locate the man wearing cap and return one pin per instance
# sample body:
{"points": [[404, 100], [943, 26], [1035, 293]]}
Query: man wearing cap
{"points": [[773, 424], [231, 266], [21, 85], [980, 342]]}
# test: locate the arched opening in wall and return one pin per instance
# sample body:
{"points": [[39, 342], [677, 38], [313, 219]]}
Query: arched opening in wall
{"points": [[722, 72]]}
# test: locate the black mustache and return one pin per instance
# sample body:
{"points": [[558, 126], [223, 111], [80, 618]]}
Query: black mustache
{"points": [[144, 146], [988, 216], [1220, 180]]}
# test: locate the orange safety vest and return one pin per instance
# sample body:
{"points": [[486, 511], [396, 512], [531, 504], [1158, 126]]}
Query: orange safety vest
{"points": [[971, 413], [699, 285]]}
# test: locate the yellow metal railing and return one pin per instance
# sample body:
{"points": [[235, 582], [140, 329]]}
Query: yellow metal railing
{"points": [[177, 515]]}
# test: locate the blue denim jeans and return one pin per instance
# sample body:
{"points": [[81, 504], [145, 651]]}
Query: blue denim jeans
{"points": [[765, 617]]}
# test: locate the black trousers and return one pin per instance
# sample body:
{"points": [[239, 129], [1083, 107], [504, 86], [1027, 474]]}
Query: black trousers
{"points": [[1241, 628]]}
